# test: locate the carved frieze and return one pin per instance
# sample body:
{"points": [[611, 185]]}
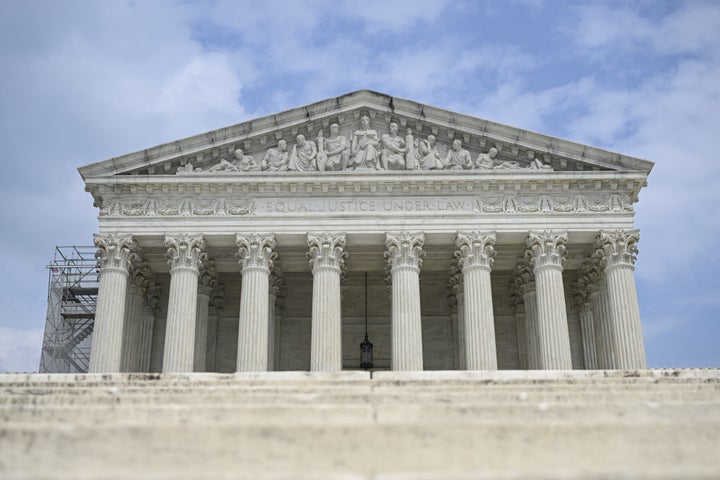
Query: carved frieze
{"points": [[200, 206]]}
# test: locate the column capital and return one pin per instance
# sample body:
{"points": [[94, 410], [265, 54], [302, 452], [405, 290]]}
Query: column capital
{"points": [[115, 251], [618, 247], [256, 251], [546, 248], [455, 287], [581, 288], [185, 251], [475, 249], [208, 279], [524, 279], [326, 250], [404, 250], [278, 287], [217, 297], [152, 298], [141, 276]]}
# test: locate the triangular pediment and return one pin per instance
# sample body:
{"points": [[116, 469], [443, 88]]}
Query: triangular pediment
{"points": [[424, 138]]}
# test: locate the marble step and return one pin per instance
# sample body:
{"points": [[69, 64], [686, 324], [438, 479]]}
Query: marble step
{"points": [[425, 425]]}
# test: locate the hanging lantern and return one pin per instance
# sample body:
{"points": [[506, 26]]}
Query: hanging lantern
{"points": [[366, 347], [366, 354]]}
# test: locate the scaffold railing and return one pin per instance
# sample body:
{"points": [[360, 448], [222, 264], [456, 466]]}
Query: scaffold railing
{"points": [[72, 296]]}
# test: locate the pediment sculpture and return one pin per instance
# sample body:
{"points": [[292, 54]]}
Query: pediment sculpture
{"points": [[365, 151]]}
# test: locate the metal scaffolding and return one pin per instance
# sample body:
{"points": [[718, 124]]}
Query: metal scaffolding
{"points": [[72, 295]]}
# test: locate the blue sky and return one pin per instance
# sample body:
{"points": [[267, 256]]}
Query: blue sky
{"points": [[84, 81]]}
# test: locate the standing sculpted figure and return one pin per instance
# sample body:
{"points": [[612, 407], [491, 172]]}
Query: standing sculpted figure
{"points": [[394, 149], [458, 158], [364, 146], [276, 159], [333, 151], [303, 156]]}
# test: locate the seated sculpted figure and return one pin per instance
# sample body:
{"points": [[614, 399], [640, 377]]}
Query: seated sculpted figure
{"points": [[428, 157], [242, 163], [487, 161], [333, 151], [536, 163], [276, 159], [363, 151], [303, 156], [394, 149], [458, 158]]}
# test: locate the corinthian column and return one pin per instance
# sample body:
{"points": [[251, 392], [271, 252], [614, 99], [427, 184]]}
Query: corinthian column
{"points": [[581, 291], [150, 310], [207, 282], [327, 257], [548, 252], [140, 278], [276, 287], [185, 255], [404, 258], [476, 252], [256, 260], [525, 282], [456, 292], [620, 250], [115, 254]]}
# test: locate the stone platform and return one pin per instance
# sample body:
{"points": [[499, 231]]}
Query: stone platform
{"points": [[650, 424]]}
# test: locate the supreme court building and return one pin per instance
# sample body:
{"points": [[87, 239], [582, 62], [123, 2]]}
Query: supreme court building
{"points": [[460, 243]]}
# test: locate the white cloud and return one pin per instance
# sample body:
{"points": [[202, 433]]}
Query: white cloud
{"points": [[20, 349]]}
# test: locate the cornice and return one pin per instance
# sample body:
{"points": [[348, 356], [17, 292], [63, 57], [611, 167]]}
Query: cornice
{"points": [[423, 119]]}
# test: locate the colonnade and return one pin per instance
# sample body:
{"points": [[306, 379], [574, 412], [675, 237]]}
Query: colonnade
{"points": [[605, 295]]}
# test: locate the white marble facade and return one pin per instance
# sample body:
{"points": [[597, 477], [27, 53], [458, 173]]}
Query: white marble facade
{"points": [[485, 247]]}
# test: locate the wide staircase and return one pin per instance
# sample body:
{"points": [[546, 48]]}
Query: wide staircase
{"points": [[651, 424]]}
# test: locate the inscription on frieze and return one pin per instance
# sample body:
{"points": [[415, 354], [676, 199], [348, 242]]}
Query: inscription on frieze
{"points": [[369, 205]]}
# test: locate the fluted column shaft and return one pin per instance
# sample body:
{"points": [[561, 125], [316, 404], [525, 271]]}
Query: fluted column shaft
{"points": [[620, 249], [201, 330], [147, 325], [475, 257], [186, 256], [531, 328], [462, 358], [404, 257], [326, 253], [604, 349], [256, 258], [548, 251], [133, 320], [587, 331], [272, 299], [115, 254], [625, 317], [522, 339]]}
